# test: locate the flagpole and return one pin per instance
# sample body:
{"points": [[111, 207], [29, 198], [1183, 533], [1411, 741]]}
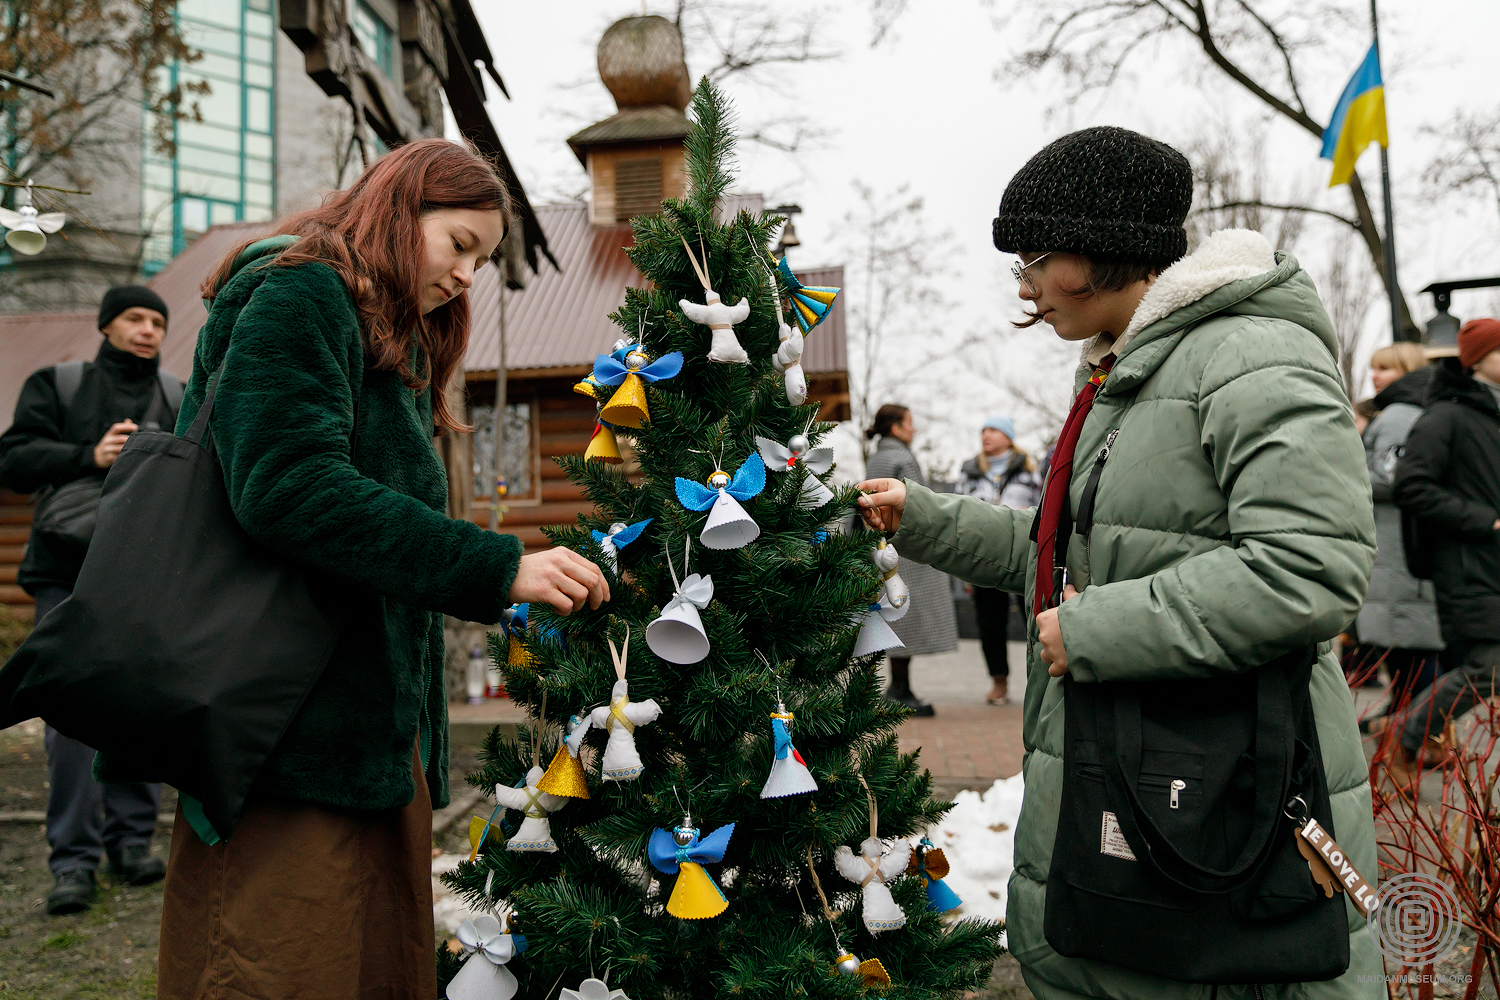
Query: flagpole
{"points": [[1392, 288]]}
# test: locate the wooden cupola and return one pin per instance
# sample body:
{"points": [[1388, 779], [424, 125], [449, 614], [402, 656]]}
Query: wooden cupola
{"points": [[635, 157]]}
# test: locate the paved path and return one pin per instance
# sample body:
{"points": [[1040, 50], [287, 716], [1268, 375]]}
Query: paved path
{"points": [[966, 744]]}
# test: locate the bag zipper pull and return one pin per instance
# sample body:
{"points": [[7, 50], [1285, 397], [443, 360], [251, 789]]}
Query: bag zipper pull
{"points": [[1177, 785], [1108, 443]]}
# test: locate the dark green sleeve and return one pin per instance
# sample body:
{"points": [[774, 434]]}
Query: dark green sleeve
{"points": [[281, 424]]}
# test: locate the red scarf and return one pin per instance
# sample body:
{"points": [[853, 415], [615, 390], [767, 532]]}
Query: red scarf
{"points": [[1059, 478]]}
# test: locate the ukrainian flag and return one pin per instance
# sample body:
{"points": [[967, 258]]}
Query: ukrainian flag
{"points": [[1358, 120]]}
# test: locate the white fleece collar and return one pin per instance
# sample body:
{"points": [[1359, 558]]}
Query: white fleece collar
{"points": [[1228, 255]]}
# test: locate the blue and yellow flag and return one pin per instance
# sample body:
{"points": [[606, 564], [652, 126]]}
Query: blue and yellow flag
{"points": [[1358, 120]]}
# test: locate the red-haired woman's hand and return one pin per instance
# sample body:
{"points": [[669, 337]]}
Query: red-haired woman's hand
{"points": [[883, 505], [559, 577]]}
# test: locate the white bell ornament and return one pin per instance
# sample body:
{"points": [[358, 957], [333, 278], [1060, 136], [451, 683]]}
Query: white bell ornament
{"points": [[800, 452], [871, 869], [484, 976], [729, 525], [677, 635], [592, 989]]}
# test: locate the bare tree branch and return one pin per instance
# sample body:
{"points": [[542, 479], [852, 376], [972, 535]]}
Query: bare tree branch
{"points": [[1470, 157], [1090, 42]]}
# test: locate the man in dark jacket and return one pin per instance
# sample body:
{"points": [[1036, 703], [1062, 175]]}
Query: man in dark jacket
{"points": [[1449, 477], [71, 422]]}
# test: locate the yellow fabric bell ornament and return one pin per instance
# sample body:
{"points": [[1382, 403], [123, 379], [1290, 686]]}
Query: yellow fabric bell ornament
{"points": [[565, 776], [627, 407], [680, 851], [602, 445]]}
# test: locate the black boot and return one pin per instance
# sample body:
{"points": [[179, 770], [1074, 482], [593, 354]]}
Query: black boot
{"points": [[136, 865], [903, 696], [73, 893]]}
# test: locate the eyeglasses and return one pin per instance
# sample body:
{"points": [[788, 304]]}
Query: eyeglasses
{"points": [[1018, 271]]}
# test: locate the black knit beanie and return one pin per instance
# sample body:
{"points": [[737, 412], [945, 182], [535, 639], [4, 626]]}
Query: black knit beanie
{"points": [[123, 297], [1105, 192]]}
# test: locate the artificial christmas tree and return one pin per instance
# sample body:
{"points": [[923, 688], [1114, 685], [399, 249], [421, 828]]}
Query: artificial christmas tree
{"points": [[780, 614]]}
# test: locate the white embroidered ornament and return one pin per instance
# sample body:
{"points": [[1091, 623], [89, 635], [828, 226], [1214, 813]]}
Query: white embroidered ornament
{"points": [[484, 976], [788, 361], [536, 829], [717, 316], [799, 451], [892, 604], [622, 762], [677, 635], [872, 869]]}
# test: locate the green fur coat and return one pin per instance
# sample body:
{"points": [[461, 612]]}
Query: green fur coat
{"points": [[369, 515]]}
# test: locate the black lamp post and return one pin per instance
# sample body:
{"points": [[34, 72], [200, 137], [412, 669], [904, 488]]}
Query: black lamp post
{"points": [[1442, 330]]}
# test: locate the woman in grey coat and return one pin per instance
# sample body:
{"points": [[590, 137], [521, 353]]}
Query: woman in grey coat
{"points": [[930, 625], [1399, 620]]}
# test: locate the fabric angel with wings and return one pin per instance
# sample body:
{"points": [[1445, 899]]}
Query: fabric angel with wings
{"points": [[800, 452], [536, 830], [872, 868], [681, 851], [622, 762], [894, 601], [728, 525]]}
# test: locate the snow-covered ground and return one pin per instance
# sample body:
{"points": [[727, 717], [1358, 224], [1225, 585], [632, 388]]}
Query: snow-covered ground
{"points": [[978, 839]]}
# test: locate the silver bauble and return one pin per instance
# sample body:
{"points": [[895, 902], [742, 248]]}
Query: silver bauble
{"points": [[798, 444], [847, 964]]}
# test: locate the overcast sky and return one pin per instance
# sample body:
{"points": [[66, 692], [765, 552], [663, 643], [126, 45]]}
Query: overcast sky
{"points": [[924, 109]]}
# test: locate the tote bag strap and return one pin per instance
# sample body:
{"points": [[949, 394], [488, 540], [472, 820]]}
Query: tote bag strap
{"points": [[199, 428], [1119, 722]]}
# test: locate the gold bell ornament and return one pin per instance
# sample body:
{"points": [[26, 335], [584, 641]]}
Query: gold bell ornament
{"points": [[565, 777], [602, 445]]}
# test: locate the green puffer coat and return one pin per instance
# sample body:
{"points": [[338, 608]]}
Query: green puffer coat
{"points": [[1233, 523]]}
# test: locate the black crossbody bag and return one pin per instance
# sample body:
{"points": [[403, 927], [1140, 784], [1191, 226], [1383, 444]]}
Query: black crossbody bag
{"points": [[1175, 852], [195, 682]]}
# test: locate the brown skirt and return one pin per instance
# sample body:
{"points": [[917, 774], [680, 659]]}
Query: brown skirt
{"points": [[302, 901]]}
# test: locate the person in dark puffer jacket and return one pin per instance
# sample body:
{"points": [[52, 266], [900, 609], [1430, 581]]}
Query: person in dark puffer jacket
{"points": [[1449, 477], [335, 338]]}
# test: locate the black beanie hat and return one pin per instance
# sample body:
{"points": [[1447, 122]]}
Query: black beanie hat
{"points": [[123, 297], [1104, 192]]}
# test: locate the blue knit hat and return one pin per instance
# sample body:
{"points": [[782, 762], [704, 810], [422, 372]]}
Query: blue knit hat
{"points": [[1005, 425]]}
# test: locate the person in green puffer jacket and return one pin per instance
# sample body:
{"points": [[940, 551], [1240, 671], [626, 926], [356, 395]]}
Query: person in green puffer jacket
{"points": [[335, 338], [1233, 519]]}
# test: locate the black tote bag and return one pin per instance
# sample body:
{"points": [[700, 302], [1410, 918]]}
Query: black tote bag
{"points": [[1175, 853], [186, 648]]}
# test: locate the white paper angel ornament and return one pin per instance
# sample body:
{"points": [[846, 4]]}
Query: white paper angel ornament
{"points": [[592, 989], [789, 773], [872, 868], [535, 833], [616, 538], [893, 602], [895, 592], [622, 762], [729, 526], [718, 316], [490, 945], [677, 634], [800, 452]]}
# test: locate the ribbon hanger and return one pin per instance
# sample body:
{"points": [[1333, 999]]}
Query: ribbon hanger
{"points": [[620, 655]]}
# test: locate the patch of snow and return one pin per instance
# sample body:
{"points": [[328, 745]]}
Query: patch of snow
{"points": [[448, 909], [978, 838]]}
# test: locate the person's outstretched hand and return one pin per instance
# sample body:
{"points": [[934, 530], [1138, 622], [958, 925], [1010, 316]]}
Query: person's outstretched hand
{"points": [[1049, 637], [559, 577], [882, 508]]}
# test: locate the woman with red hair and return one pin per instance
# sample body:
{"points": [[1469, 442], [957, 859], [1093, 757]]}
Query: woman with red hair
{"points": [[332, 342]]}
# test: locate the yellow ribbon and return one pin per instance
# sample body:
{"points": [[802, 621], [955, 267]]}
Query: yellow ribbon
{"points": [[617, 711]]}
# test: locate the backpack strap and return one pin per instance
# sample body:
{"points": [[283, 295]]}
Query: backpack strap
{"points": [[171, 390], [68, 377]]}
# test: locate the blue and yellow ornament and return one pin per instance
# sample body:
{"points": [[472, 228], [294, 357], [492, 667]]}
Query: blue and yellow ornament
{"points": [[932, 865], [809, 302], [696, 896], [627, 407]]}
